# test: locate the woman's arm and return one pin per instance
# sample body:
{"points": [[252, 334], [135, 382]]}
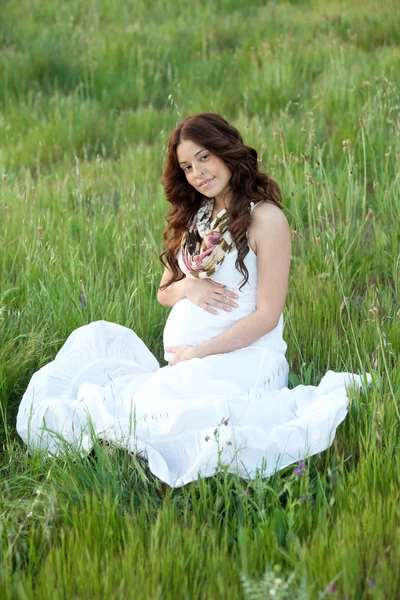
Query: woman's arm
{"points": [[173, 293], [270, 230]]}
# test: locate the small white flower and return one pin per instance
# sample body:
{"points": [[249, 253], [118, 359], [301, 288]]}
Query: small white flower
{"points": [[272, 592], [277, 582]]}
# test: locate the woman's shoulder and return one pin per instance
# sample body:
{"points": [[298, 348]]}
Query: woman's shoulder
{"points": [[267, 222], [267, 214]]}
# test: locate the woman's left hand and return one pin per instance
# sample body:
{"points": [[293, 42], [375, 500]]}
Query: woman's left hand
{"points": [[182, 352]]}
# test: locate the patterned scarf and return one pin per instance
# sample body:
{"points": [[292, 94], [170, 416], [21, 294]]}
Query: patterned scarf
{"points": [[205, 245]]}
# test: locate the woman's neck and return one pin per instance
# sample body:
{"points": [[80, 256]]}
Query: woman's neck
{"points": [[221, 201]]}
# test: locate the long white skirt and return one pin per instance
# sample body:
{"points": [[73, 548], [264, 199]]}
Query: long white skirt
{"points": [[231, 411]]}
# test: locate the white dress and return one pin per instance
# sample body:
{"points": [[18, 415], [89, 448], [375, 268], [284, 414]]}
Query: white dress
{"points": [[227, 411]]}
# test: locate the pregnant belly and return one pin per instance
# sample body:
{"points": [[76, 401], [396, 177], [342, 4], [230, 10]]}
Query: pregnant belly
{"points": [[189, 324]]}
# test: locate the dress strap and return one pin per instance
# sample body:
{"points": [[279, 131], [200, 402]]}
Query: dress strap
{"points": [[252, 205]]}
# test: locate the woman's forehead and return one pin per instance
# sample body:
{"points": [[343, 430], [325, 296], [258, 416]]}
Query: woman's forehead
{"points": [[187, 150]]}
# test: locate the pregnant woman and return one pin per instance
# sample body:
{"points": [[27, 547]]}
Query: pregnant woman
{"points": [[223, 397]]}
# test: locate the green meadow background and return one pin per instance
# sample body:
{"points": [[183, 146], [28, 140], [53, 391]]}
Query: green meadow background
{"points": [[89, 93]]}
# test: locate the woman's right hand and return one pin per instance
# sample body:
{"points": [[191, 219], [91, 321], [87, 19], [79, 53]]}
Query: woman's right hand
{"points": [[208, 293]]}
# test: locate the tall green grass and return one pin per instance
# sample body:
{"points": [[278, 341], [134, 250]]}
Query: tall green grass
{"points": [[89, 93]]}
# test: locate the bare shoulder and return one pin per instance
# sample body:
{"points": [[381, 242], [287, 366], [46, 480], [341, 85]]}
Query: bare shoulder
{"points": [[267, 214], [268, 222]]}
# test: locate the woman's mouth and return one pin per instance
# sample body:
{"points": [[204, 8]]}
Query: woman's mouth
{"points": [[206, 182]]}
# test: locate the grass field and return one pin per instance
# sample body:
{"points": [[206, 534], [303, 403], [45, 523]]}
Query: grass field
{"points": [[89, 94]]}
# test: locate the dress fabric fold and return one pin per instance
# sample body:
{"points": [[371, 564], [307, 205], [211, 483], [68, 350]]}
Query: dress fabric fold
{"points": [[230, 410]]}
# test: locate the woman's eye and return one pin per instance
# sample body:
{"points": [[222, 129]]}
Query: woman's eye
{"points": [[204, 156], [186, 168]]}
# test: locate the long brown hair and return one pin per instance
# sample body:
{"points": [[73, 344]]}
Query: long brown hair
{"points": [[247, 184]]}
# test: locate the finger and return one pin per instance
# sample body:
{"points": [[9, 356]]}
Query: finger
{"points": [[231, 303], [214, 302], [209, 309], [221, 302], [222, 306], [229, 294], [217, 283], [222, 299]]}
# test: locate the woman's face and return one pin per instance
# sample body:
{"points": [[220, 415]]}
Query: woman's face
{"points": [[204, 171]]}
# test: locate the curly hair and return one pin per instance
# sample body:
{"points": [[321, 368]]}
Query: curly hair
{"points": [[247, 183]]}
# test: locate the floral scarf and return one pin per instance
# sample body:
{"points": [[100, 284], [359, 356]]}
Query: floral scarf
{"points": [[206, 243]]}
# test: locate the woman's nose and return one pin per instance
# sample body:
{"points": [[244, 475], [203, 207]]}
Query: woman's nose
{"points": [[197, 170]]}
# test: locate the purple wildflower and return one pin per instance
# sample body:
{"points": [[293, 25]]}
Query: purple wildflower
{"points": [[371, 582], [299, 470], [248, 493], [83, 299], [306, 497], [331, 589]]}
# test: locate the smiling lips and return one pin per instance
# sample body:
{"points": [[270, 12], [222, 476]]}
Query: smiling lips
{"points": [[206, 181]]}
